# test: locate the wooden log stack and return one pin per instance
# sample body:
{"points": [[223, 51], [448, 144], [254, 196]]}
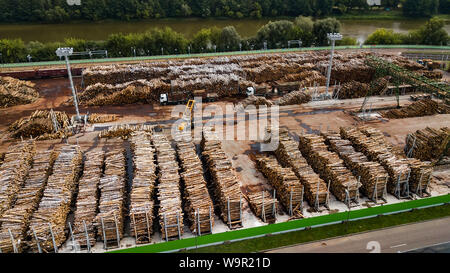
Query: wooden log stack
{"points": [[170, 211], [198, 204], [110, 218], [421, 175], [124, 130], [15, 92], [344, 185], [424, 107], [2, 157], [49, 220], [40, 125], [227, 192], [84, 231], [294, 97], [17, 219], [13, 171], [263, 204], [141, 197], [102, 118], [428, 144]]}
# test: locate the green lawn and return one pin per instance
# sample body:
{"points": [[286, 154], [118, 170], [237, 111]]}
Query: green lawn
{"points": [[296, 237]]}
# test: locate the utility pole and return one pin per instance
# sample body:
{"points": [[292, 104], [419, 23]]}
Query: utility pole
{"points": [[332, 37], [66, 52]]}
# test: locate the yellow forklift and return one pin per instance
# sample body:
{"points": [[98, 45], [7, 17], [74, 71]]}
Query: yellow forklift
{"points": [[187, 117]]}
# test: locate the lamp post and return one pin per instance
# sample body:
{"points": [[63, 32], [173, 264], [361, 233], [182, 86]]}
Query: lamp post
{"points": [[66, 52], [332, 37]]}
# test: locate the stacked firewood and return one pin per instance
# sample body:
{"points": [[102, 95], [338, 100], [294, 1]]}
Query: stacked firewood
{"points": [[424, 107], [40, 124], [17, 219], [263, 205], [288, 186], [372, 175], [288, 155], [141, 197], [124, 130], [198, 204], [15, 92], [86, 204], [170, 209], [49, 220], [13, 172], [227, 192], [110, 219], [421, 175], [295, 97], [330, 167], [102, 118], [376, 135], [353, 89], [429, 143]]}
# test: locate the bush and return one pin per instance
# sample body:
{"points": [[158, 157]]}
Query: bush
{"points": [[384, 36], [12, 51], [323, 27], [347, 41]]}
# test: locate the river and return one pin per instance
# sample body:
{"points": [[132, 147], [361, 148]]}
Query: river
{"points": [[359, 29]]}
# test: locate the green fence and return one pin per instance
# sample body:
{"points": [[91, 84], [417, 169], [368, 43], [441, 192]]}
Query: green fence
{"points": [[181, 56], [286, 226]]}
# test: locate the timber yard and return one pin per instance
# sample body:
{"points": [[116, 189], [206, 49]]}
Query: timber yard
{"points": [[106, 165]]}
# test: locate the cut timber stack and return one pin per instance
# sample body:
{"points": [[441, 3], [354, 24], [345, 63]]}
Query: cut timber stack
{"points": [[15, 92], [142, 191], [424, 107], [17, 219], [288, 155], [376, 135], [124, 130], [84, 231], [49, 221], [429, 143], [227, 192], [421, 175], [170, 209], [373, 176], [295, 97], [13, 172], [263, 205], [288, 186], [110, 219], [2, 157], [198, 204], [330, 167], [102, 118]]}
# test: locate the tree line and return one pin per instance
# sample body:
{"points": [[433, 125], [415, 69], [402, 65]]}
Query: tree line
{"points": [[276, 34], [61, 11]]}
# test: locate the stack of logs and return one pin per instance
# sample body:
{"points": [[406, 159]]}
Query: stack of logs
{"points": [[330, 167], [288, 187], [421, 175], [49, 221], [198, 204], [141, 197], [15, 92], [227, 192], [102, 118], [373, 176], [424, 107], [124, 130], [84, 231], [295, 97], [17, 219], [429, 143], [110, 219], [169, 196], [288, 155], [263, 204]]}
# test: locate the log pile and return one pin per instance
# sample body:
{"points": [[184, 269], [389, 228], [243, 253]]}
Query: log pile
{"points": [[227, 192], [54, 207], [141, 197], [86, 204], [434, 75], [40, 125], [110, 218], [421, 175], [170, 212], [424, 107], [288, 155], [253, 101], [2, 157], [372, 175], [17, 219], [198, 204], [102, 118], [295, 97], [263, 204], [353, 89], [376, 135], [124, 130], [288, 186], [330, 167], [13, 172], [428, 144], [15, 92]]}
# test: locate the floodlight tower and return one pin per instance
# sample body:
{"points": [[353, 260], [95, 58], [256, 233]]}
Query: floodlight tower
{"points": [[66, 52], [332, 37]]}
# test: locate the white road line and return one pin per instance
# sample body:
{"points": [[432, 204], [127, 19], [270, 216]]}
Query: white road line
{"points": [[398, 245]]}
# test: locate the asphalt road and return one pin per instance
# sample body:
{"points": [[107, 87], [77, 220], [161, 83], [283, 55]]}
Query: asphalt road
{"points": [[391, 240]]}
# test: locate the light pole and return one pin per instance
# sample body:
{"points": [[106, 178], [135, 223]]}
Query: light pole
{"points": [[66, 52], [332, 37]]}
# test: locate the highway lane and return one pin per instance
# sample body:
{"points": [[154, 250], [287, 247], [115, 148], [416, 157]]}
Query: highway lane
{"points": [[390, 240]]}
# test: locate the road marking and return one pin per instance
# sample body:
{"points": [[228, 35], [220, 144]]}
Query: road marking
{"points": [[398, 245]]}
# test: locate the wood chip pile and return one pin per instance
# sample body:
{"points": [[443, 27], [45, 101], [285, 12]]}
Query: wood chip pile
{"points": [[429, 143], [198, 204], [54, 207], [288, 154], [143, 189], [102, 118], [170, 211], [330, 167], [87, 199], [288, 186], [227, 192], [263, 204], [15, 92], [110, 219], [295, 97], [17, 219], [424, 107], [373, 176], [13, 172], [124, 130]]}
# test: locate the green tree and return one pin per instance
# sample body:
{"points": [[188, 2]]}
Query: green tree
{"points": [[384, 36], [12, 51], [276, 34], [421, 8], [322, 27], [432, 33], [229, 39]]}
